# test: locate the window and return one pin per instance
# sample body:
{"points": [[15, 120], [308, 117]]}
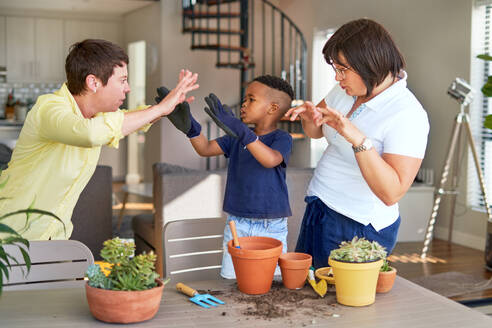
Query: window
{"points": [[323, 80], [481, 106]]}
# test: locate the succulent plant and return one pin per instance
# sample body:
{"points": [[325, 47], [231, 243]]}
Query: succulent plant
{"points": [[358, 250], [128, 272]]}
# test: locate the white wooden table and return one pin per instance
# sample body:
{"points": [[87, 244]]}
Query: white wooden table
{"points": [[407, 305]]}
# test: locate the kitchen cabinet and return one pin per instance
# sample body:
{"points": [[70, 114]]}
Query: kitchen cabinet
{"points": [[3, 45], [34, 50], [78, 30], [50, 59], [20, 48]]}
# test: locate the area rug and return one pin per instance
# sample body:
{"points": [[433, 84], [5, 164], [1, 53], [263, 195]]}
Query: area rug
{"points": [[452, 283], [125, 230]]}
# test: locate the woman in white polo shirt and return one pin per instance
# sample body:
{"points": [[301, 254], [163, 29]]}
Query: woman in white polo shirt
{"points": [[377, 134]]}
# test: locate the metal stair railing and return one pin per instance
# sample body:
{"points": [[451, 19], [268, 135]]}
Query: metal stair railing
{"points": [[228, 27]]}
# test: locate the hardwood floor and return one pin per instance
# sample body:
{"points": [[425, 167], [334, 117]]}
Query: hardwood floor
{"points": [[443, 257]]}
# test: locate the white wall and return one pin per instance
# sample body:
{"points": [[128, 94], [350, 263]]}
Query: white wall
{"points": [[143, 24], [175, 55], [435, 37]]}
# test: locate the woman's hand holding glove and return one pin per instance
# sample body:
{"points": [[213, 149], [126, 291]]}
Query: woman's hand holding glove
{"points": [[181, 116]]}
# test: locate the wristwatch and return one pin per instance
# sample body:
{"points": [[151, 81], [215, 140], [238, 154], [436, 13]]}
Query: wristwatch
{"points": [[365, 145]]}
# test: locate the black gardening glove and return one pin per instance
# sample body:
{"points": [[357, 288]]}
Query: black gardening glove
{"points": [[181, 116], [225, 119]]}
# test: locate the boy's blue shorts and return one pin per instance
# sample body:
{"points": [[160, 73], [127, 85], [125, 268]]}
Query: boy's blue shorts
{"points": [[323, 229], [274, 228]]}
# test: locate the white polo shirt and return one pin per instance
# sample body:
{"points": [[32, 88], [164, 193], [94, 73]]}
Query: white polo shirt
{"points": [[396, 123]]}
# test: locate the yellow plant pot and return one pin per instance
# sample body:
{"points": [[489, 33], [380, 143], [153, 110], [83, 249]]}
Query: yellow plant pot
{"points": [[355, 282]]}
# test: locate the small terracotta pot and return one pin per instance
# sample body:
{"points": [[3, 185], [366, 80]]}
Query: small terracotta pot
{"points": [[119, 306], [255, 263], [295, 268], [386, 281]]}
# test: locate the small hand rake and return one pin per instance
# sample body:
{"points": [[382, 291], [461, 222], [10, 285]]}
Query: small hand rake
{"points": [[199, 299]]}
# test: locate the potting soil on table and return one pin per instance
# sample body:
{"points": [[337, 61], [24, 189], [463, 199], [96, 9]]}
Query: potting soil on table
{"points": [[302, 304]]}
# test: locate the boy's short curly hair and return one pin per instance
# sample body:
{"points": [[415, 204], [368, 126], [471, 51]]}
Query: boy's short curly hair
{"points": [[276, 83]]}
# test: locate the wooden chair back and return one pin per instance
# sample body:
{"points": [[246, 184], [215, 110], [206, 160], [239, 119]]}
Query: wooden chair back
{"points": [[193, 249], [54, 264]]}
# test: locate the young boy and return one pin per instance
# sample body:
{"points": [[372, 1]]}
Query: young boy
{"points": [[256, 195]]}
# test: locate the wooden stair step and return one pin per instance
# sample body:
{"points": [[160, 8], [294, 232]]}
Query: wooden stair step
{"points": [[212, 30], [297, 136], [215, 2], [204, 14], [219, 47], [234, 65]]}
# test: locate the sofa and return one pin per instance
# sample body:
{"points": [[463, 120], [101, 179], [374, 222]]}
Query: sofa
{"points": [[92, 215], [180, 193]]}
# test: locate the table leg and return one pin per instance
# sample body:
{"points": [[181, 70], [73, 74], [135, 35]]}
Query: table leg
{"points": [[122, 211]]}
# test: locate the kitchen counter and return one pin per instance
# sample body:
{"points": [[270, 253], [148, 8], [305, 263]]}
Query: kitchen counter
{"points": [[9, 132]]}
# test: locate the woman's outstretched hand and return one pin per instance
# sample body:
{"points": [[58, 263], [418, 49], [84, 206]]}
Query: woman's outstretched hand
{"points": [[307, 111], [187, 83]]}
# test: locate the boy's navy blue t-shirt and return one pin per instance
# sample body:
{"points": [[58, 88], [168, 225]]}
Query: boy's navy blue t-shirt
{"points": [[252, 190]]}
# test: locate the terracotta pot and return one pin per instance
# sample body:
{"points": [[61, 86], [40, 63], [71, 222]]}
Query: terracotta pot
{"points": [[120, 306], [255, 263], [294, 267], [355, 282], [386, 281]]}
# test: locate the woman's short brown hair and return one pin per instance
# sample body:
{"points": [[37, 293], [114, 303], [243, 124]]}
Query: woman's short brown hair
{"points": [[92, 56], [369, 50]]}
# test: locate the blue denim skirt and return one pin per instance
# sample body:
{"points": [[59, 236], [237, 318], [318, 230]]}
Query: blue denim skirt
{"points": [[323, 229]]}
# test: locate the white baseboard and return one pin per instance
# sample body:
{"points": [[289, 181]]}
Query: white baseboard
{"points": [[461, 238]]}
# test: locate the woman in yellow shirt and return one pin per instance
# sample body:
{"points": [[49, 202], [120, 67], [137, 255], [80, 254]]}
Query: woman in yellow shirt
{"points": [[60, 142]]}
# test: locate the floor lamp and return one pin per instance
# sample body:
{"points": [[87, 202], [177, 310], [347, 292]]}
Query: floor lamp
{"points": [[463, 93]]}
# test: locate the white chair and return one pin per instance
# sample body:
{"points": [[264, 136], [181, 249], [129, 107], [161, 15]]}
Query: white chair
{"points": [[193, 249], [54, 264]]}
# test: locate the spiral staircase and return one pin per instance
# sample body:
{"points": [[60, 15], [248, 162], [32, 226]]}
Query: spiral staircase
{"points": [[252, 36]]}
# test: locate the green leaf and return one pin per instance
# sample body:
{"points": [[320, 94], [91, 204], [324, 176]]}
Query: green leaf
{"points": [[485, 57], [27, 259], [3, 183], [5, 228], [487, 87], [488, 121]]}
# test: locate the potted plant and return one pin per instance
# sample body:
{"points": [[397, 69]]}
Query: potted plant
{"points": [[386, 278], [356, 265], [9, 236], [131, 292]]}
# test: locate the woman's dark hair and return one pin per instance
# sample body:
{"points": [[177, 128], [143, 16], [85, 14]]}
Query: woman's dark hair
{"points": [[369, 50], [92, 56], [276, 83]]}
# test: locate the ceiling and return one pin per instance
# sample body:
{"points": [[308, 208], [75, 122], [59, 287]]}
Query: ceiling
{"points": [[115, 7]]}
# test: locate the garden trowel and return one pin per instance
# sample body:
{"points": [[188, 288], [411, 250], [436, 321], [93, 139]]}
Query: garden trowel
{"points": [[199, 299], [319, 287]]}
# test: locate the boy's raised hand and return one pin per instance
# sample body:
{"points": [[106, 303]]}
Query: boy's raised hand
{"points": [[181, 116], [225, 119]]}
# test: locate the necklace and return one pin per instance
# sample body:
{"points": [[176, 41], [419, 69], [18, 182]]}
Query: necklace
{"points": [[353, 116]]}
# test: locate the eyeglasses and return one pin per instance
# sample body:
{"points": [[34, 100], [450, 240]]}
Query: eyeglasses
{"points": [[340, 71]]}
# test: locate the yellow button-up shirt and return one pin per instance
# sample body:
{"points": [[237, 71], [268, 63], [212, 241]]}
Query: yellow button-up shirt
{"points": [[54, 158]]}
